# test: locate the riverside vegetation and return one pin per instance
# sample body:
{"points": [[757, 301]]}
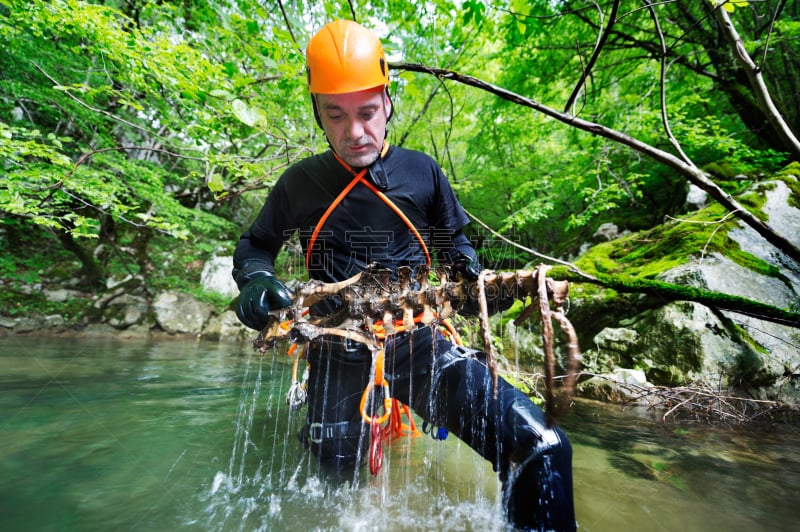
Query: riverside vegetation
{"points": [[138, 138]]}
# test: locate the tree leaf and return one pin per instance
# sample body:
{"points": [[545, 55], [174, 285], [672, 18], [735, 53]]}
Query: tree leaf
{"points": [[252, 116]]}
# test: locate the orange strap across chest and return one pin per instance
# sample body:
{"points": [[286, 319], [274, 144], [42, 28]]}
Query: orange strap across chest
{"points": [[358, 177]]}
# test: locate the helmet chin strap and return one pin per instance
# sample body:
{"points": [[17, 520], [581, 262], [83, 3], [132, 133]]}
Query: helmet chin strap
{"points": [[316, 112], [376, 171]]}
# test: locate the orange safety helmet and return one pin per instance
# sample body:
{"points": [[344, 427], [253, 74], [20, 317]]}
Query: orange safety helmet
{"points": [[344, 56]]}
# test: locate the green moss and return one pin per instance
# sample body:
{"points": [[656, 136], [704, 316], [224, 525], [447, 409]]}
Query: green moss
{"points": [[646, 254], [721, 170], [790, 175], [755, 201]]}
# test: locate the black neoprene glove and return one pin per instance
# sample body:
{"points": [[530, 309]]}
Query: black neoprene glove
{"points": [[469, 268], [260, 292]]}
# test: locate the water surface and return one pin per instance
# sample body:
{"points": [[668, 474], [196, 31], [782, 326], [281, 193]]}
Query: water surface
{"points": [[101, 434]]}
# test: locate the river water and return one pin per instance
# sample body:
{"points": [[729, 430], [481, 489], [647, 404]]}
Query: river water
{"points": [[104, 434]]}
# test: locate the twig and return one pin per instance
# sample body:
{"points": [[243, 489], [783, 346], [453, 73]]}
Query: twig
{"points": [[547, 338], [612, 19], [485, 329]]}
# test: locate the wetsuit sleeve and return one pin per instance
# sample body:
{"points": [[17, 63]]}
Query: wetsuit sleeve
{"points": [[262, 241], [460, 248], [449, 240]]}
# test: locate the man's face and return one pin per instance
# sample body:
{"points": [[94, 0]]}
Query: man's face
{"points": [[355, 124]]}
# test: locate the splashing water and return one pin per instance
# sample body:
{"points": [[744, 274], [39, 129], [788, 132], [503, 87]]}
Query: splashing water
{"points": [[273, 482]]}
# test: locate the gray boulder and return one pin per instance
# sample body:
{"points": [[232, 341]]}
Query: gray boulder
{"points": [[179, 313], [125, 311], [226, 328], [685, 342], [216, 277]]}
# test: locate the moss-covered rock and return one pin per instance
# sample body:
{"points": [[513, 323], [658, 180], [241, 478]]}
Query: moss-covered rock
{"points": [[684, 342]]}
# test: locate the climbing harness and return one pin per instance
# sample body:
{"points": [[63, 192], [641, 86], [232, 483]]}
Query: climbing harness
{"points": [[388, 424], [393, 410]]}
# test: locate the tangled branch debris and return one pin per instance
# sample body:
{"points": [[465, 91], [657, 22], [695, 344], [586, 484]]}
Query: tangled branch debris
{"points": [[374, 298], [703, 403]]}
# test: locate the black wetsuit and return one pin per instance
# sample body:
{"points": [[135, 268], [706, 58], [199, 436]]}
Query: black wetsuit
{"points": [[448, 386]]}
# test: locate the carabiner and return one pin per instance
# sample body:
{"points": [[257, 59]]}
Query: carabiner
{"points": [[375, 446], [387, 403], [296, 396]]}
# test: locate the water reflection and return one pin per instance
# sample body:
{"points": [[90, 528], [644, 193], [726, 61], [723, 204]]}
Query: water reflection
{"points": [[173, 435], [635, 472]]}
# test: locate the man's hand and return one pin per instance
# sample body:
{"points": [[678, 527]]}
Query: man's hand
{"points": [[467, 267], [470, 269], [260, 294]]}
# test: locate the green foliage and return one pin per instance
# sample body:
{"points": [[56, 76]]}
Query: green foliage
{"points": [[28, 263], [143, 135], [117, 121], [557, 186]]}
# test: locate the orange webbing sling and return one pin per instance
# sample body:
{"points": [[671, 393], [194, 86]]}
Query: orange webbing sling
{"points": [[359, 178]]}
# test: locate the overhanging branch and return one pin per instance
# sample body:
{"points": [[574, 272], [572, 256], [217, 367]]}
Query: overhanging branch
{"points": [[690, 172]]}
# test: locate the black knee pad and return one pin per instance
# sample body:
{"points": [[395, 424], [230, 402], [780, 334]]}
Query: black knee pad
{"points": [[525, 428], [538, 493], [537, 472]]}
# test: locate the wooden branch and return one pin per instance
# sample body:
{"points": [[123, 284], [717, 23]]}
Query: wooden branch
{"points": [[547, 341], [696, 176], [374, 297], [702, 403], [757, 82], [595, 54], [485, 329], [662, 84], [573, 362]]}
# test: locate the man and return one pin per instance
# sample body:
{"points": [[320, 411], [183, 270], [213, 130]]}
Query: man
{"points": [[363, 202]]}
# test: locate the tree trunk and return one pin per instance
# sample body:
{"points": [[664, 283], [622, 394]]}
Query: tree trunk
{"points": [[91, 273]]}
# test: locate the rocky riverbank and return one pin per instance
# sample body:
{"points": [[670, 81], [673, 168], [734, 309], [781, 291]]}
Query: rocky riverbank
{"points": [[126, 310]]}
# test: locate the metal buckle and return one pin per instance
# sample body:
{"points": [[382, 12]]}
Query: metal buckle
{"points": [[351, 346], [311, 437], [317, 432]]}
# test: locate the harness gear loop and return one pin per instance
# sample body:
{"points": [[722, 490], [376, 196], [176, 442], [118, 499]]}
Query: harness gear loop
{"points": [[359, 178], [387, 398]]}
